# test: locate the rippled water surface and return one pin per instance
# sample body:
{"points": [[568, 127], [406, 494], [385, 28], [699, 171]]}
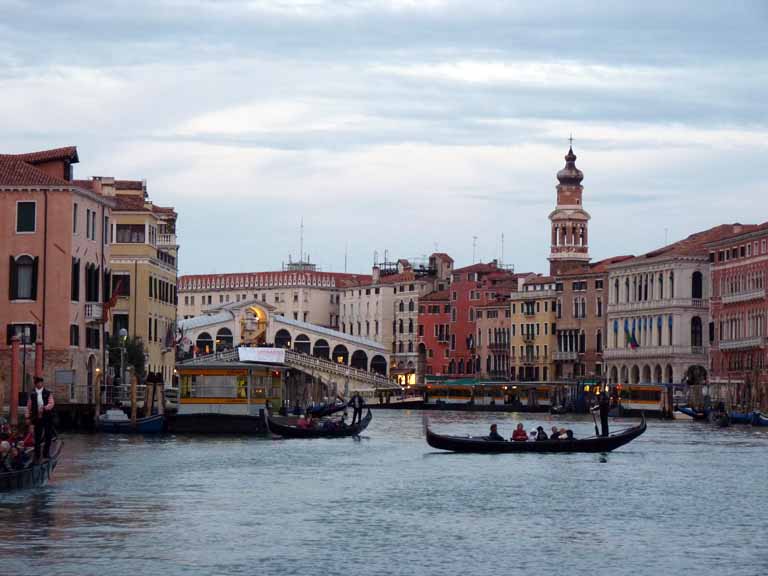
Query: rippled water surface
{"points": [[683, 498]]}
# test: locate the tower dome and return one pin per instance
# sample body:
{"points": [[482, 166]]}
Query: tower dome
{"points": [[570, 175]]}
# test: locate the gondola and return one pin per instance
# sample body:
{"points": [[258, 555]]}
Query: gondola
{"points": [[740, 417], [287, 431], [693, 413], [759, 420], [34, 475], [468, 444], [116, 422], [326, 409]]}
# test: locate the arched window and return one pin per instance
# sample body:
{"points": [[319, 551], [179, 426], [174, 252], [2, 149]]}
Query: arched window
{"points": [[410, 328], [696, 285], [400, 326], [400, 346], [410, 346], [23, 278], [401, 306], [696, 335], [599, 344], [411, 307]]}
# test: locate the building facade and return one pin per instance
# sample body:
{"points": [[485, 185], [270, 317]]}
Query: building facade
{"points": [[56, 245], [299, 291], [435, 332], [533, 330], [739, 309], [144, 266], [658, 312], [494, 338]]}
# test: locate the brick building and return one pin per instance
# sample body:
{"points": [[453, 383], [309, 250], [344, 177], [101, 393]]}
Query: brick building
{"points": [[739, 315], [435, 332]]}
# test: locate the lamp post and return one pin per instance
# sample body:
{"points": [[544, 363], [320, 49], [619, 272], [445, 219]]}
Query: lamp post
{"points": [[123, 334]]}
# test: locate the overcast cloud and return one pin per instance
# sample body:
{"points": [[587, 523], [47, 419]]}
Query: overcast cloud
{"points": [[399, 125]]}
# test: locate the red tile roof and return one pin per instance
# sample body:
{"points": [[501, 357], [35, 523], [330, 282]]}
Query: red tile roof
{"points": [[739, 234], [436, 296], [131, 203], [129, 185], [16, 172], [479, 267], [602, 265], [67, 153]]}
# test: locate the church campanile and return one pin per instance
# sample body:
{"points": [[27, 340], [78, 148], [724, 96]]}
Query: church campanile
{"points": [[569, 249]]}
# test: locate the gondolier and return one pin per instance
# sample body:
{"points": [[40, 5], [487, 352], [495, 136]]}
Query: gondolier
{"points": [[357, 404], [603, 406], [40, 415]]}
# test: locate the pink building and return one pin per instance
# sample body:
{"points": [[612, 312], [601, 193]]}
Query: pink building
{"points": [[54, 238], [739, 309]]}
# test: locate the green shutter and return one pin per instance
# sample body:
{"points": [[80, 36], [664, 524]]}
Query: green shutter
{"points": [[35, 263], [13, 279]]}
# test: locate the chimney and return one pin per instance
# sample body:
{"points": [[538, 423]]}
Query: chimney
{"points": [[376, 274], [106, 184]]}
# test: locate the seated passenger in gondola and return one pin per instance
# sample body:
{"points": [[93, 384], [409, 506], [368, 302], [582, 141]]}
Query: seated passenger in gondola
{"points": [[540, 434], [494, 436], [520, 435], [6, 461], [569, 435], [330, 426], [555, 435], [343, 421], [305, 422]]}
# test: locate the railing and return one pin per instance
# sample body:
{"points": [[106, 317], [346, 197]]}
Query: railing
{"points": [[651, 352], [306, 361], [624, 307], [166, 239], [561, 355], [529, 359], [742, 343], [744, 296], [499, 346], [94, 312]]}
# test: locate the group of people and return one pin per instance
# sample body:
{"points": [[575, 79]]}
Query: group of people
{"points": [[14, 447], [539, 434], [306, 422]]}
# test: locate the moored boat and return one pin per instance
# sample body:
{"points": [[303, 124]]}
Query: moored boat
{"points": [[116, 422], [283, 428], [479, 445], [34, 475], [693, 413], [740, 417], [759, 420]]}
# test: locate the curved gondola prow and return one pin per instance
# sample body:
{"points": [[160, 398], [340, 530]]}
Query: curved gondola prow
{"points": [[425, 423]]}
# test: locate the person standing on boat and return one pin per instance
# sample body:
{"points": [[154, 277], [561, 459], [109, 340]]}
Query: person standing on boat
{"points": [[357, 404], [603, 406], [40, 415]]}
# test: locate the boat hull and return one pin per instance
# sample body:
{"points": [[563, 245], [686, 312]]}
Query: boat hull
{"points": [[482, 446], [759, 420], [286, 431], [148, 425], [33, 476], [695, 414], [741, 417]]}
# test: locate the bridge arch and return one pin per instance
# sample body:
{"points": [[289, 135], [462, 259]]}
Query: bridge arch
{"points": [[379, 364], [340, 354], [224, 339], [282, 338], [321, 349], [204, 343], [359, 360], [302, 344]]}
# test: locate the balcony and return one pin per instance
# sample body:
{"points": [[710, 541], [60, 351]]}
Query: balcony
{"points": [[742, 343], [566, 356], [528, 336], [94, 313], [166, 239], [529, 359], [499, 346], [627, 307], [744, 296], [653, 352]]}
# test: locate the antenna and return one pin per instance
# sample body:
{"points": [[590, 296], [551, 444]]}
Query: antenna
{"points": [[301, 240], [474, 249], [502, 249], [375, 257], [346, 251]]}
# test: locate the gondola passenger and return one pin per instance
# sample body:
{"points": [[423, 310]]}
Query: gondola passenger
{"points": [[555, 435], [519, 435], [540, 434], [494, 435]]}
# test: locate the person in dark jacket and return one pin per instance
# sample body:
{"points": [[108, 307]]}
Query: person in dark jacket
{"points": [[555, 435], [357, 404], [540, 434], [494, 435], [40, 415]]}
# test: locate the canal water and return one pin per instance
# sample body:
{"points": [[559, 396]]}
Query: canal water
{"points": [[683, 498]]}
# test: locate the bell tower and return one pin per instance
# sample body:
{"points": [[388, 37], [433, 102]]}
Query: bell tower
{"points": [[569, 250]]}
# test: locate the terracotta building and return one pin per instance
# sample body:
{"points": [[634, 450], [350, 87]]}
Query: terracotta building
{"points": [[55, 238], [739, 316], [435, 332]]}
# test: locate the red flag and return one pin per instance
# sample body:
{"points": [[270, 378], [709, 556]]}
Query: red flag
{"points": [[113, 299]]}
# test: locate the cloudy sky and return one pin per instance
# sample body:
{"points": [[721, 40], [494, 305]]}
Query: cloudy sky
{"points": [[399, 125]]}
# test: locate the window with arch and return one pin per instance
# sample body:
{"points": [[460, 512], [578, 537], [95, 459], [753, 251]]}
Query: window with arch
{"points": [[400, 326], [401, 306], [23, 278], [410, 326], [411, 306]]}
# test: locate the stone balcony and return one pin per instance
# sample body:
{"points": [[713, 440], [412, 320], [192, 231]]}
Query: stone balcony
{"points": [[166, 239], [94, 312], [744, 296], [742, 344], [630, 307], [654, 352], [567, 356]]}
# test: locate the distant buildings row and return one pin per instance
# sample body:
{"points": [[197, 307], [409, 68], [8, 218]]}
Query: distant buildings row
{"points": [[694, 309]]}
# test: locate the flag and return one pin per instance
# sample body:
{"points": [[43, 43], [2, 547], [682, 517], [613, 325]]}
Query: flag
{"points": [[112, 300], [630, 336]]}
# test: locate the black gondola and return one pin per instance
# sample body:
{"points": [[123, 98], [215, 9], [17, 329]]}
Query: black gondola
{"points": [[34, 475], [326, 409], [287, 431], [469, 444]]}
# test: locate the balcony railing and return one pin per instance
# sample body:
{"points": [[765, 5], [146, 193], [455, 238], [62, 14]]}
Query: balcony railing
{"points": [[744, 296], [499, 346], [742, 343], [624, 307], [529, 359], [528, 336], [652, 352], [94, 312], [560, 355], [166, 239]]}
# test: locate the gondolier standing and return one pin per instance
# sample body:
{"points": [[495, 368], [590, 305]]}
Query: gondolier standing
{"points": [[40, 415], [603, 406], [357, 404]]}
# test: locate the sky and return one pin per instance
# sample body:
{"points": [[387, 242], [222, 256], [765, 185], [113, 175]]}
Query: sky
{"points": [[399, 126]]}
